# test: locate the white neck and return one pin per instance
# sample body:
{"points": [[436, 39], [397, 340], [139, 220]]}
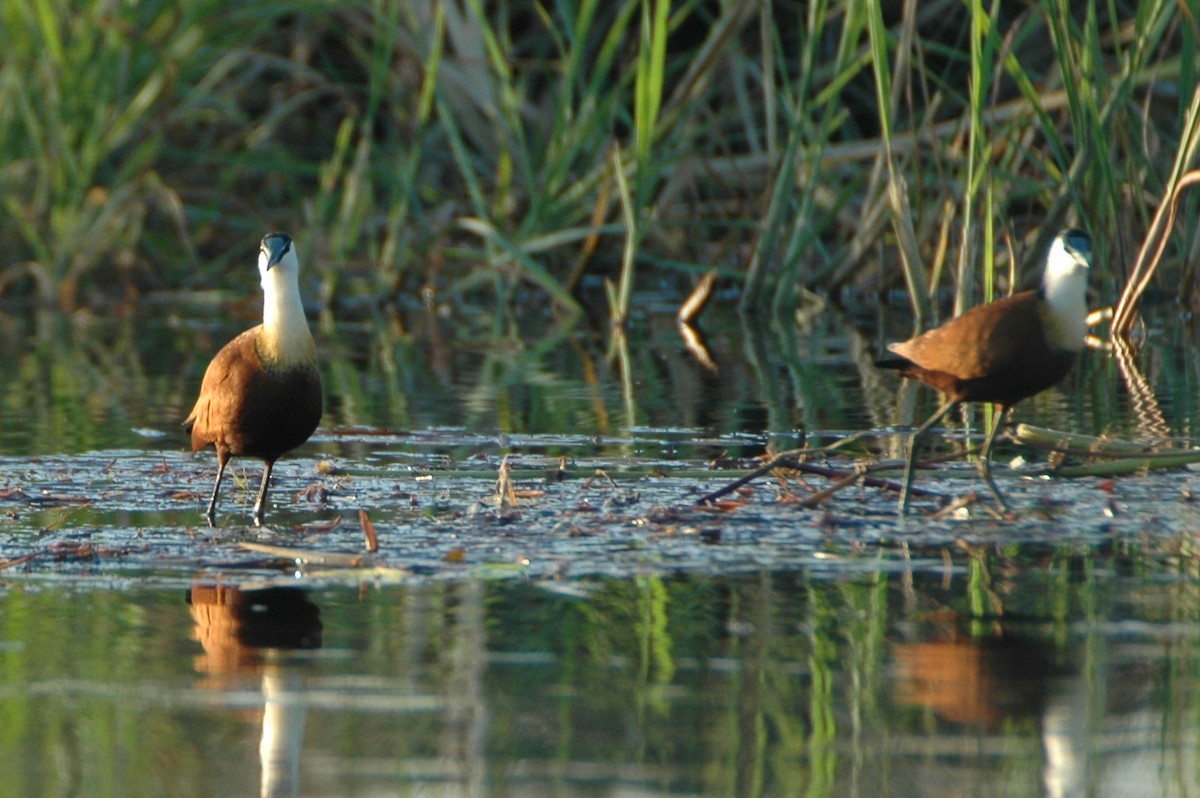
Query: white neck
{"points": [[286, 340], [1064, 289]]}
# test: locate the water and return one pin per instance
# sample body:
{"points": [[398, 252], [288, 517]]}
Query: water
{"points": [[604, 635], [84, 383], [761, 684]]}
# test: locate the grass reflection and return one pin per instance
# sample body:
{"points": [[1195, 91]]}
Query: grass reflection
{"points": [[754, 685], [76, 384]]}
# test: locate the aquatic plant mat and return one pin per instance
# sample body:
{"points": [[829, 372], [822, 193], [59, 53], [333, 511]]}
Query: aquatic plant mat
{"points": [[564, 507]]}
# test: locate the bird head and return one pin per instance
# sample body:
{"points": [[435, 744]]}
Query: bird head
{"points": [[1064, 288], [1070, 256], [277, 249]]}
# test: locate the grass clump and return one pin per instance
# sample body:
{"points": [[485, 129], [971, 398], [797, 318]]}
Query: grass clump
{"points": [[472, 150]]}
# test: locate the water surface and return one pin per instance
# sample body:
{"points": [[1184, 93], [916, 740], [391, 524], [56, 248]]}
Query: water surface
{"points": [[597, 632], [760, 684]]}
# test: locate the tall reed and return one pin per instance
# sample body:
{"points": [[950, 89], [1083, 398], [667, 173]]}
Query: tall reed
{"points": [[467, 148]]}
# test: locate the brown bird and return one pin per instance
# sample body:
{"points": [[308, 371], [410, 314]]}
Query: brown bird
{"points": [[1004, 351], [261, 394]]}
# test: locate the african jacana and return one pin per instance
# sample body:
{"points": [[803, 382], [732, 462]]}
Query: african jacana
{"points": [[1004, 351], [261, 394]]}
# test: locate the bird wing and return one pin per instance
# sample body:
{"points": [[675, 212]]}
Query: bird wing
{"points": [[220, 388], [985, 340]]}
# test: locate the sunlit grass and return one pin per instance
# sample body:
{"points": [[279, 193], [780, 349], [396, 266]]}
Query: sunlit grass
{"points": [[467, 148]]}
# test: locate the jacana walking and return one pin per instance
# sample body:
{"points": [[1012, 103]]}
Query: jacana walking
{"points": [[1004, 351], [261, 394]]}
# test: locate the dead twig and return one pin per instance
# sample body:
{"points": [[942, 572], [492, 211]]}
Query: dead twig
{"points": [[62, 517], [788, 460], [368, 528], [699, 297], [823, 494], [506, 494], [600, 474]]}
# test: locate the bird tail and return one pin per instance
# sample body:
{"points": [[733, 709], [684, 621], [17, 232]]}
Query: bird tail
{"points": [[893, 362]]}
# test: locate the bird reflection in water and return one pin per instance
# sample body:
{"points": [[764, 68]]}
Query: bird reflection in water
{"points": [[1008, 680], [248, 633], [976, 681]]}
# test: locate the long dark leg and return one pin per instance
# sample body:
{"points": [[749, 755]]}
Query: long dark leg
{"points": [[211, 513], [985, 458], [262, 495], [910, 466]]}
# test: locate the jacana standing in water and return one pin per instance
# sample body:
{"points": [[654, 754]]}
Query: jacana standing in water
{"points": [[1004, 351], [261, 394]]}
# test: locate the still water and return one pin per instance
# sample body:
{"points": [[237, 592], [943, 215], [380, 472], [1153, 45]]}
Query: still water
{"points": [[604, 637], [764, 684]]}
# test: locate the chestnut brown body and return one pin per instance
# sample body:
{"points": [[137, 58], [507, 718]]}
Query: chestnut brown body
{"points": [[992, 353], [261, 395], [1004, 351], [250, 410]]}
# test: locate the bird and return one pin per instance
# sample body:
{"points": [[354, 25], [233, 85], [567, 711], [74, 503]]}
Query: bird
{"points": [[1004, 351], [261, 395]]}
